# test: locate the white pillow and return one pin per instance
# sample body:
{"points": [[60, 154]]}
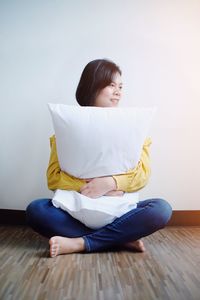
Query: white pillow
{"points": [[96, 141], [94, 213]]}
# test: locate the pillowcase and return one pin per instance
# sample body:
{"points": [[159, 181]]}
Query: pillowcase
{"points": [[94, 213], [99, 141]]}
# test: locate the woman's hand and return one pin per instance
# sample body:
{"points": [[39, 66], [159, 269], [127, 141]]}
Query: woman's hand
{"points": [[98, 187]]}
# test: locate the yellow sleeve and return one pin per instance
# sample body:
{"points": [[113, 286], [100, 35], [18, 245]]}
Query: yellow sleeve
{"points": [[57, 179], [136, 178]]}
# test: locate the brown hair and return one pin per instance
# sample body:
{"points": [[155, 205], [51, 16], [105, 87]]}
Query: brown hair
{"points": [[96, 75]]}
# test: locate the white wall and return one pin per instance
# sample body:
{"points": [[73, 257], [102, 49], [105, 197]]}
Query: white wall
{"points": [[44, 47]]}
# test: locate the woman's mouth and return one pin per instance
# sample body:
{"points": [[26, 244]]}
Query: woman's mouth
{"points": [[115, 101]]}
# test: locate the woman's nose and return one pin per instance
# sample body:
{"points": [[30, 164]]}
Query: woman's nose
{"points": [[117, 91]]}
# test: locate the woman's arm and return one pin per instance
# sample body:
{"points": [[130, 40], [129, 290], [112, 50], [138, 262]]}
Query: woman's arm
{"points": [[58, 179], [131, 181], [138, 177]]}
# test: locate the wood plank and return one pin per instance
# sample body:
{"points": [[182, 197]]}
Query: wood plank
{"points": [[169, 269]]}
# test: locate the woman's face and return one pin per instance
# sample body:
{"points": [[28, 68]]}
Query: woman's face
{"points": [[111, 94]]}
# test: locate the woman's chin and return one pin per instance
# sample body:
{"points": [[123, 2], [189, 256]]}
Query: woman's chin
{"points": [[114, 103]]}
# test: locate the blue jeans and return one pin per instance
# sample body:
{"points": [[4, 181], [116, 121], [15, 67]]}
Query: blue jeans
{"points": [[149, 216]]}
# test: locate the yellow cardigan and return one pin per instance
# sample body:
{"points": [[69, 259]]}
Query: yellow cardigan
{"points": [[129, 182]]}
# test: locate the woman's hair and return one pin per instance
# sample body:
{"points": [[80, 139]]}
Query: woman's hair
{"points": [[96, 75]]}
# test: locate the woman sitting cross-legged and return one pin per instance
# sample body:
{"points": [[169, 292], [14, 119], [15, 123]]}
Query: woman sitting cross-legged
{"points": [[101, 86]]}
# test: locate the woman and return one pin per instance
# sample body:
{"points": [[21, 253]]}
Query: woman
{"points": [[100, 85]]}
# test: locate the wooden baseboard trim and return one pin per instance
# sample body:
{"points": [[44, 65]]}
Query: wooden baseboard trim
{"points": [[12, 217], [179, 217], [185, 218]]}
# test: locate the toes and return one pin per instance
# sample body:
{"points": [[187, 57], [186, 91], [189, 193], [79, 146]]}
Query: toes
{"points": [[141, 246], [52, 241], [54, 248]]}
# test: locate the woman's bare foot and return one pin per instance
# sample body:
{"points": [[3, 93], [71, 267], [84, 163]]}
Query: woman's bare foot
{"points": [[136, 246], [62, 245]]}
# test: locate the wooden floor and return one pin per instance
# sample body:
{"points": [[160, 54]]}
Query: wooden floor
{"points": [[169, 269]]}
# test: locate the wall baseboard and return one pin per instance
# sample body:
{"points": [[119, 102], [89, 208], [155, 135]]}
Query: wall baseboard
{"points": [[179, 217], [12, 217], [185, 218]]}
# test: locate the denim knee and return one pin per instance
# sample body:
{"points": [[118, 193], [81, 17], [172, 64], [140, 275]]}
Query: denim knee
{"points": [[32, 211], [163, 212]]}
